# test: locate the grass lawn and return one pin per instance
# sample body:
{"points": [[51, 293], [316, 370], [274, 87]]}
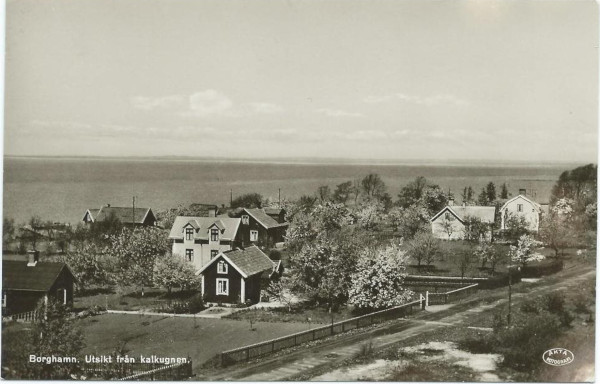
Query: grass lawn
{"points": [[300, 314], [129, 299], [199, 338]]}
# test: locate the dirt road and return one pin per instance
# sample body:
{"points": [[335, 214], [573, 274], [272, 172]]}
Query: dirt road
{"points": [[311, 358]]}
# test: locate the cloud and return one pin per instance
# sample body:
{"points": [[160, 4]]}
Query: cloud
{"points": [[165, 102], [338, 113], [265, 108], [209, 102], [427, 101]]}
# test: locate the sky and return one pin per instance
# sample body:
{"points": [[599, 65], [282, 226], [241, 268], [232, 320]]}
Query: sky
{"points": [[358, 79]]}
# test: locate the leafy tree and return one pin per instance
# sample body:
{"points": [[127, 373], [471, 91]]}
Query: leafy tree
{"points": [[369, 214], [556, 229], [372, 185], [102, 231], [423, 248], [578, 184], [490, 190], [378, 280], [248, 200], [8, 232], [324, 266], [411, 194], [486, 253], [324, 193], [134, 252], [32, 232], [342, 192], [504, 191], [281, 290], [409, 221], [419, 192], [90, 265], [463, 259], [447, 225], [52, 334], [515, 226], [482, 199], [306, 203], [173, 271], [524, 251], [475, 229]]}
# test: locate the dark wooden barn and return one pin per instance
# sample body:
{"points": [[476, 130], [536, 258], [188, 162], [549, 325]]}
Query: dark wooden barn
{"points": [[25, 283], [237, 276]]}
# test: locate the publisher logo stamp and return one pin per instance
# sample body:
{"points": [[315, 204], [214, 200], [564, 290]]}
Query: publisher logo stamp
{"points": [[558, 357]]}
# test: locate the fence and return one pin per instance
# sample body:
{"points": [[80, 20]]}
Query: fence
{"points": [[139, 371], [25, 317], [451, 296], [271, 346]]}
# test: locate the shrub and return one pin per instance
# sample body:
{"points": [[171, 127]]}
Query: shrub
{"points": [[275, 254], [581, 303], [555, 302], [542, 269], [196, 303], [500, 280]]}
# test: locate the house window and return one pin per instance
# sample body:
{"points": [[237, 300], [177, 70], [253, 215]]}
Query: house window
{"points": [[519, 207], [189, 233], [214, 234], [245, 219], [223, 287], [4, 300], [61, 295], [253, 235], [189, 254], [213, 253], [222, 267]]}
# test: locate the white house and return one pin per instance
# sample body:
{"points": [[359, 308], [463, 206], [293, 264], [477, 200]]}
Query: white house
{"points": [[451, 223], [524, 207], [199, 239]]}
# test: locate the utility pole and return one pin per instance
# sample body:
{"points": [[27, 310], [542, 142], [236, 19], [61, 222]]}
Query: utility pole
{"points": [[230, 197], [133, 212], [279, 197]]}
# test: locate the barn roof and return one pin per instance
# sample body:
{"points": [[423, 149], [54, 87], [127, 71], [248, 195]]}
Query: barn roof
{"points": [[123, 214], [228, 226], [485, 214], [263, 219], [16, 275], [248, 261]]}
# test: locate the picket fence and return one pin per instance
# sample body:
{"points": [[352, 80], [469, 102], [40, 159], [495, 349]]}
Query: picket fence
{"points": [[23, 317], [451, 296], [271, 346]]}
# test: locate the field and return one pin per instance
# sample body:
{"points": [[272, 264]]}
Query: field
{"points": [[198, 338]]}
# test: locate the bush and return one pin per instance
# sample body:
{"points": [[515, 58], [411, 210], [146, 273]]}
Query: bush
{"points": [[542, 269], [555, 302], [275, 255], [196, 303]]}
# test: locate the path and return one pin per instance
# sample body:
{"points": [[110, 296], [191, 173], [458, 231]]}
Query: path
{"points": [[306, 359]]}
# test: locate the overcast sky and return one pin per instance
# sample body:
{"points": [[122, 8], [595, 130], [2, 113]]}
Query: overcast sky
{"points": [[499, 80]]}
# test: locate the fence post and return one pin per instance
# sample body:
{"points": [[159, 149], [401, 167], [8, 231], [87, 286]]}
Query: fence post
{"points": [[426, 298]]}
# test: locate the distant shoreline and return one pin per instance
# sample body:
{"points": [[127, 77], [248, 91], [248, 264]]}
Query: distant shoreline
{"points": [[312, 161]]}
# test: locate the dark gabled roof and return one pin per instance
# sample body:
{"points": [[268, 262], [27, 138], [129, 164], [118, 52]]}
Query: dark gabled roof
{"points": [[16, 275], [263, 219], [123, 214], [248, 261]]}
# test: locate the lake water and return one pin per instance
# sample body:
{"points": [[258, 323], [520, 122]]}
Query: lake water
{"points": [[61, 189]]}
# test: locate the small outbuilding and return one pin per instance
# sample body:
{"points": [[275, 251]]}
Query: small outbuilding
{"points": [[237, 276], [25, 283]]}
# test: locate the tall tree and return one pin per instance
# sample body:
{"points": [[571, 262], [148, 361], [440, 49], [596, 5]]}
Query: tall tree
{"points": [[324, 193], [504, 191], [8, 232], [172, 271], [372, 185], [482, 199], [90, 264], [490, 190], [342, 192], [423, 248]]}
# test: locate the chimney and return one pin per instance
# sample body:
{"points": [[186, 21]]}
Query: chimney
{"points": [[450, 202], [464, 204], [34, 257], [523, 191]]}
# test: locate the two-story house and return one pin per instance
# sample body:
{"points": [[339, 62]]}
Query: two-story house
{"points": [[521, 206], [264, 227], [199, 239]]}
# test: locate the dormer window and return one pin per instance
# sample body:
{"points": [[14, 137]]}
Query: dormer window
{"points": [[214, 234], [189, 233], [222, 267], [245, 219]]}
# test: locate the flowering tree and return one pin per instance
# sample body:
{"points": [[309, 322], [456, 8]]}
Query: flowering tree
{"points": [[90, 264], [485, 252], [173, 271], [524, 251], [369, 214], [409, 221], [134, 252], [377, 282], [423, 248]]}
